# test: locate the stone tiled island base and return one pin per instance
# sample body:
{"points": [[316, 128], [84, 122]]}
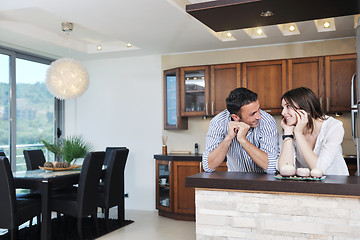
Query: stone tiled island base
{"points": [[228, 214]]}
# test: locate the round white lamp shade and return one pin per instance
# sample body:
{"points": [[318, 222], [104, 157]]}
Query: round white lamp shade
{"points": [[67, 78]]}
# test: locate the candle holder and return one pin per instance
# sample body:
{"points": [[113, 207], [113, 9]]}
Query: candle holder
{"points": [[164, 146], [164, 149]]}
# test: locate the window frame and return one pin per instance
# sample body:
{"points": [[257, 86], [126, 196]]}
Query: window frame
{"points": [[59, 105]]}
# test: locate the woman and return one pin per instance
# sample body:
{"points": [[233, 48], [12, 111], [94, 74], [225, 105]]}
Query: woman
{"points": [[310, 138]]}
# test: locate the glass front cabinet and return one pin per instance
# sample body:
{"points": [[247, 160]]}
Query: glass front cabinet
{"points": [[163, 190], [172, 116], [195, 95]]}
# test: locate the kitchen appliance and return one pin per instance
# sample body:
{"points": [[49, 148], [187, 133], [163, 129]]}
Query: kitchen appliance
{"points": [[355, 99]]}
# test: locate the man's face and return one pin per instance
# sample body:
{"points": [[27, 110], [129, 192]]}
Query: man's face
{"points": [[250, 114]]}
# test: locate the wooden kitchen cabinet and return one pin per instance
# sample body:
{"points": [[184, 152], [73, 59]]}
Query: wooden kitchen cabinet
{"points": [[173, 199], [338, 73], [307, 72], [224, 79], [184, 197], [172, 116], [268, 80], [195, 92]]}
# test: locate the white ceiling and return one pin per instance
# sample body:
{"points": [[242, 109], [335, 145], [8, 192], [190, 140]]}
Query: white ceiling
{"points": [[152, 26]]}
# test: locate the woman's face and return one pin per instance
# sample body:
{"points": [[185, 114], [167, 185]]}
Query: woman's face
{"points": [[288, 113]]}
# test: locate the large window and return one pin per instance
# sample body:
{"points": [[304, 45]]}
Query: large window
{"points": [[28, 112]]}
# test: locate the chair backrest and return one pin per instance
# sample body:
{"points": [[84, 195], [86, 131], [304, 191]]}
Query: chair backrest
{"points": [[2, 154], [108, 151], [7, 195], [89, 182], [114, 177], [34, 158]]}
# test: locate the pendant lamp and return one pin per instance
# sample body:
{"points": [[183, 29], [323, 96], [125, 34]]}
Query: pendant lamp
{"points": [[67, 78]]}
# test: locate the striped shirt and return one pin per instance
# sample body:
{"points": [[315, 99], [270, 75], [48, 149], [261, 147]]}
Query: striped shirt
{"points": [[265, 137]]}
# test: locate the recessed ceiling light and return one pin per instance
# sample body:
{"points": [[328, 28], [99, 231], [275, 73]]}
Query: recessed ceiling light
{"points": [[289, 29], [326, 24], [267, 14], [129, 45], [255, 33], [99, 47], [228, 34]]}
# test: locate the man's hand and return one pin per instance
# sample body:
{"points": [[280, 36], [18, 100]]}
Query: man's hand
{"points": [[243, 128], [233, 129], [238, 129]]}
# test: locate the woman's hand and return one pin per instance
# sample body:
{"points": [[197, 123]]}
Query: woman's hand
{"points": [[288, 129], [302, 120]]}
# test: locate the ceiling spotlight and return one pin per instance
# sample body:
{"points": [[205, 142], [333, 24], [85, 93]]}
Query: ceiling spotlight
{"points": [[67, 26], [259, 31], [291, 28], [99, 47], [128, 45], [267, 14], [228, 34], [326, 24]]}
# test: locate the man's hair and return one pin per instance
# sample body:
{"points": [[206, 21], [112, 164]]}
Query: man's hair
{"points": [[307, 101], [238, 98]]}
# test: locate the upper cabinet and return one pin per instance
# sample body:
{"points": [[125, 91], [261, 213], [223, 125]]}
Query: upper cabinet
{"points": [[172, 116], [204, 89], [338, 73], [307, 72], [224, 79], [268, 80], [195, 96]]}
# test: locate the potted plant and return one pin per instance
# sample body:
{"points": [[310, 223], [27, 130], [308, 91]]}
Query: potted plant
{"points": [[69, 149]]}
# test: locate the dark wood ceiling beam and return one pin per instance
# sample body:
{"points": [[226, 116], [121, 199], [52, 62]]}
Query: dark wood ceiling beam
{"points": [[224, 15]]}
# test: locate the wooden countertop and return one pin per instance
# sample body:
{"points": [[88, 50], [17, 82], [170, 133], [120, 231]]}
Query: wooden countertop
{"points": [[332, 185]]}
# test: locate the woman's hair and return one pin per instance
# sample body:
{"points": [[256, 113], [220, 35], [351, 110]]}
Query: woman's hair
{"points": [[306, 100], [238, 98]]}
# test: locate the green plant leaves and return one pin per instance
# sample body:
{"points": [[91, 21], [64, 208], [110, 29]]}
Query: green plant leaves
{"points": [[69, 148]]}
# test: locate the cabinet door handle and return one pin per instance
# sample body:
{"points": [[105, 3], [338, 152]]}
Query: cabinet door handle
{"points": [[327, 104], [206, 109], [200, 166], [212, 108]]}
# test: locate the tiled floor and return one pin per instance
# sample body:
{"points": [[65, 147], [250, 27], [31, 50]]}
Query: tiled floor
{"points": [[148, 225]]}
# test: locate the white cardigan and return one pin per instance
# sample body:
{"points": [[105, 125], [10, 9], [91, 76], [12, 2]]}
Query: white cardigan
{"points": [[327, 149]]}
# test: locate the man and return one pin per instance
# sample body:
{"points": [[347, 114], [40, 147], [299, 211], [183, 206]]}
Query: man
{"points": [[245, 134]]}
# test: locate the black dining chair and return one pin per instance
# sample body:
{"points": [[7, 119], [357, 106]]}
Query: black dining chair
{"points": [[108, 151], [82, 203], [14, 211], [34, 158], [111, 193]]}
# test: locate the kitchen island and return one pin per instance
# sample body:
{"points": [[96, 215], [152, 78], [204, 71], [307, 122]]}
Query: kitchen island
{"points": [[232, 205]]}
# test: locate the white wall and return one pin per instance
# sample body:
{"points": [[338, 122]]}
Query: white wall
{"points": [[123, 107]]}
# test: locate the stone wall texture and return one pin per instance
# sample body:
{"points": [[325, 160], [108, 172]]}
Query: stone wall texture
{"points": [[237, 215]]}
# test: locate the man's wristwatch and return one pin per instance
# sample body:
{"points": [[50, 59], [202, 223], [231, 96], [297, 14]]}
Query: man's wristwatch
{"points": [[287, 136]]}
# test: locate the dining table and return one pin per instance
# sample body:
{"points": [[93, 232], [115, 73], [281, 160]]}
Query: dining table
{"points": [[46, 181]]}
